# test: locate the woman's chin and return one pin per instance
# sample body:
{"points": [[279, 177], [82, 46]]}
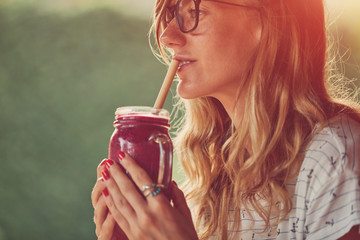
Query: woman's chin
{"points": [[187, 93]]}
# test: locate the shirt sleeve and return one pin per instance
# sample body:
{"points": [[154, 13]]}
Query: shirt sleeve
{"points": [[334, 195]]}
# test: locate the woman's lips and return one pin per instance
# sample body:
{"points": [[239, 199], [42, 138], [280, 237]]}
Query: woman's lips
{"points": [[184, 64]]}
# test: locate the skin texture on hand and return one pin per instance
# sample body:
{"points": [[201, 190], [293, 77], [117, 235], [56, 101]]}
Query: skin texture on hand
{"points": [[132, 215], [106, 227]]}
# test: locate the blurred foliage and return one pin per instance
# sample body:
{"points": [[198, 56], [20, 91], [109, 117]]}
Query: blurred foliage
{"points": [[61, 79]]}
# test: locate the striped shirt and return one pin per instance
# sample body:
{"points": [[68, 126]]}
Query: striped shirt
{"points": [[325, 194]]}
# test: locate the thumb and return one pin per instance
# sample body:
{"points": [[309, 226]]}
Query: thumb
{"points": [[179, 201]]}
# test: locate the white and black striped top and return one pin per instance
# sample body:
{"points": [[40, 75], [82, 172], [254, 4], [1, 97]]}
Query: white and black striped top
{"points": [[326, 193]]}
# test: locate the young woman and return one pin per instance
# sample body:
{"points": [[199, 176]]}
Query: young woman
{"points": [[270, 150]]}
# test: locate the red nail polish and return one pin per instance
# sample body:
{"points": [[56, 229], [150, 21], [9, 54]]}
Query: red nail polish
{"points": [[109, 162], [103, 162], [109, 212], [121, 155], [105, 192], [174, 183], [106, 174]]}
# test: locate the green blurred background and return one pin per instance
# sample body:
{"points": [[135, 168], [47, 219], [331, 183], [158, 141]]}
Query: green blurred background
{"points": [[64, 68]]}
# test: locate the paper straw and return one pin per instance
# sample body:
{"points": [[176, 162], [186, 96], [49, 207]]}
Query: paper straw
{"points": [[160, 100]]}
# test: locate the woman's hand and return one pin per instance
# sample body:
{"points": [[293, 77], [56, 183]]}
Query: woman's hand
{"points": [[143, 218], [106, 227]]}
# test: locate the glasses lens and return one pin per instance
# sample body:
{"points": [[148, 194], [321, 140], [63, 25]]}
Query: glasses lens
{"points": [[187, 15]]}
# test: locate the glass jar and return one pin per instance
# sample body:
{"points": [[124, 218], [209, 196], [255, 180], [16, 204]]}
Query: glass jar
{"points": [[143, 133]]}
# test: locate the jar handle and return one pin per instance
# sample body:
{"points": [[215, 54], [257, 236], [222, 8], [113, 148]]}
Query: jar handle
{"points": [[162, 140]]}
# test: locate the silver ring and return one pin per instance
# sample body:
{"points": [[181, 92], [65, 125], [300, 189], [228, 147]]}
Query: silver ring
{"points": [[146, 187], [152, 189]]}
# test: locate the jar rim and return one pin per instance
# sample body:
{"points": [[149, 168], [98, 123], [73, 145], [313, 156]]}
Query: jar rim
{"points": [[142, 111]]}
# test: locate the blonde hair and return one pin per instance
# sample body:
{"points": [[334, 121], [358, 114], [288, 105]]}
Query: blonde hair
{"points": [[286, 97]]}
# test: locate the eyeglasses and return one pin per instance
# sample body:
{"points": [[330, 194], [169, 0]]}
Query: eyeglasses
{"points": [[187, 13]]}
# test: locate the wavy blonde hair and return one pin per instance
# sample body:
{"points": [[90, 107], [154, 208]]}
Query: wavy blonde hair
{"points": [[286, 97]]}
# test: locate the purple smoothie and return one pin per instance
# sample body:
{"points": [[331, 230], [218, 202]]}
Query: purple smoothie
{"points": [[143, 134]]}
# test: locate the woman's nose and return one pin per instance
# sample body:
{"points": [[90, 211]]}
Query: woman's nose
{"points": [[172, 37]]}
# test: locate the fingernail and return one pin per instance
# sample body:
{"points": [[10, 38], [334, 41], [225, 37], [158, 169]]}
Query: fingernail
{"points": [[105, 192], [103, 162], [174, 183], [109, 162], [109, 211], [121, 155], [106, 174]]}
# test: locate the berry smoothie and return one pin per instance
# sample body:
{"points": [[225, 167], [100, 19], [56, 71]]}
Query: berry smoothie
{"points": [[142, 132]]}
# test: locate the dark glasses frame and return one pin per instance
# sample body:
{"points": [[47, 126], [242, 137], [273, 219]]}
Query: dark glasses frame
{"points": [[173, 11]]}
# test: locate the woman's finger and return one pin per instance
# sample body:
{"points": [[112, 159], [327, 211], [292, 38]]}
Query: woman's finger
{"points": [[120, 209], [140, 177], [118, 200], [179, 201], [127, 187], [107, 229], [101, 167], [96, 192], [100, 214]]}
